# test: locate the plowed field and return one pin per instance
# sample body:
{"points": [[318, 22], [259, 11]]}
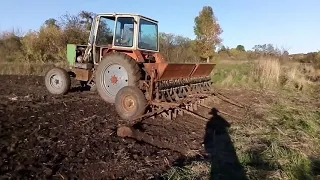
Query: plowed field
{"points": [[74, 136]]}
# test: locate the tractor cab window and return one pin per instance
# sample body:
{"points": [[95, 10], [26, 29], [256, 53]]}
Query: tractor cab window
{"points": [[124, 32], [105, 31], [148, 35]]}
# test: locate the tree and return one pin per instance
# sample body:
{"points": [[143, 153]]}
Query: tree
{"points": [[177, 48], [51, 23], [240, 48], [223, 49], [267, 49], [10, 46], [207, 31], [86, 19]]}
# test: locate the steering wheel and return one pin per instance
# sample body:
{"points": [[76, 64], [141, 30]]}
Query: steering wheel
{"points": [[118, 41]]}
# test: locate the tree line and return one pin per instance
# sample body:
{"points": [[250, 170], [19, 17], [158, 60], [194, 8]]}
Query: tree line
{"points": [[48, 44]]}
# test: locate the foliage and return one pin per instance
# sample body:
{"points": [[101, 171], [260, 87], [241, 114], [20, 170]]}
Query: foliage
{"points": [[177, 48], [277, 139], [266, 73], [48, 44], [240, 48], [207, 31], [87, 19], [10, 47], [51, 23], [309, 58]]}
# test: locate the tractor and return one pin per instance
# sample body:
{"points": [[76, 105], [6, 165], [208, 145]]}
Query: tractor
{"points": [[123, 63]]}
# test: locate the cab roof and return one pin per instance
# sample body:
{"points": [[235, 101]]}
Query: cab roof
{"points": [[127, 14]]}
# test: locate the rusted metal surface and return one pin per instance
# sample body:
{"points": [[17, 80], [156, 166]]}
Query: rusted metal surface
{"points": [[159, 58], [136, 55], [173, 89], [203, 70], [169, 99], [169, 102], [166, 71], [106, 51], [150, 67], [175, 71], [194, 114], [82, 74], [151, 87], [149, 114]]}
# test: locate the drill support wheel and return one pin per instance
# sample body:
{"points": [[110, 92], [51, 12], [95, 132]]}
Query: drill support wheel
{"points": [[130, 102]]}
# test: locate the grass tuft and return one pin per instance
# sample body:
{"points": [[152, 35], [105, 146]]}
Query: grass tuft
{"points": [[196, 170], [267, 72]]}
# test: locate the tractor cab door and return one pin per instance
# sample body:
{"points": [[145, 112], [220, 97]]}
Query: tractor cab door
{"points": [[104, 33], [124, 32], [90, 50], [92, 35]]}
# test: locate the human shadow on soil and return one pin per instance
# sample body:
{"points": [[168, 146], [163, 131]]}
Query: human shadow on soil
{"points": [[221, 153], [315, 166], [218, 144]]}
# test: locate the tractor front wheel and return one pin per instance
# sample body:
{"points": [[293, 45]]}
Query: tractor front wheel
{"points": [[130, 102], [57, 81], [114, 72]]}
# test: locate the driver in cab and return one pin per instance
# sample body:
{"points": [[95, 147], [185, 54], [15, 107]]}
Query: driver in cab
{"points": [[127, 37]]}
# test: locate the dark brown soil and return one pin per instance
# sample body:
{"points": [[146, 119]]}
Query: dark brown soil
{"points": [[74, 136]]}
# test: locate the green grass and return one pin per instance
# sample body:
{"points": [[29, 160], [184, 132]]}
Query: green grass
{"points": [[230, 75], [297, 118], [281, 148], [289, 163], [281, 143], [197, 170], [291, 138]]}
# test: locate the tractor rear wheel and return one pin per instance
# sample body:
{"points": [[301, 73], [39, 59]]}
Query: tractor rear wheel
{"points": [[57, 81], [114, 72], [130, 102]]}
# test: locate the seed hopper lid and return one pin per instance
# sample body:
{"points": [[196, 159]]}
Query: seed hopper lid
{"points": [[172, 71]]}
